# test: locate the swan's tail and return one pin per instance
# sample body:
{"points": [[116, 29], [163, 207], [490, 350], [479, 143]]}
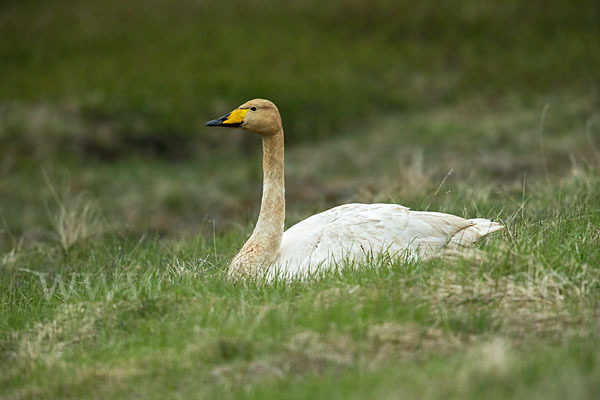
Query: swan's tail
{"points": [[479, 228]]}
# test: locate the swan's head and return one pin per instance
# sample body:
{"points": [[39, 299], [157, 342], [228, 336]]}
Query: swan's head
{"points": [[258, 115]]}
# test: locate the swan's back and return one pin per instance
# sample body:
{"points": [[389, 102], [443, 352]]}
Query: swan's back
{"points": [[359, 231]]}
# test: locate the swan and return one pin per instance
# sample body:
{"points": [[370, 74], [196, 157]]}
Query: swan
{"points": [[347, 232]]}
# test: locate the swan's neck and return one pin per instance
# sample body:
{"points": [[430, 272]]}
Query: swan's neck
{"points": [[269, 227], [261, 248]]}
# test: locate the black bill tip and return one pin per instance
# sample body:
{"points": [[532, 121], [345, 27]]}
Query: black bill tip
{"points": [[218, 121], [215, 122]]}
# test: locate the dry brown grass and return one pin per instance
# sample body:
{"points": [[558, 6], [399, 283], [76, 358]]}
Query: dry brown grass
{"points": [[76, 218]]}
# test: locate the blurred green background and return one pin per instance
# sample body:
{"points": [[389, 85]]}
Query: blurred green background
{"points": [[113, 77], [110, 97]]}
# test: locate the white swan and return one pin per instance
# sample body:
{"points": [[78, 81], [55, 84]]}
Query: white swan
{"points": [[347, 232]]}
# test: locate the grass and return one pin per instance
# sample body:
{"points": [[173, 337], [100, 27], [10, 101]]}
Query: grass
{"points": [[129, 310], [119, 212], [154, 319]]}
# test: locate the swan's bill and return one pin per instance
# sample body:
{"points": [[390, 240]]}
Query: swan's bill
{"points": [[232, 120]]}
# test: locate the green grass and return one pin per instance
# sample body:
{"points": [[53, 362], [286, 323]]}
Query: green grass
{"points": [[119, 212], [137, 304], [155, 318]]}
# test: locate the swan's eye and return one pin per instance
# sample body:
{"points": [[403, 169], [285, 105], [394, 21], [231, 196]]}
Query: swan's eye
{"points": [[253, 108]]}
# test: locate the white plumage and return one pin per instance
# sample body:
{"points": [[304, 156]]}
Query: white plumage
{"points": [[355, 232]]}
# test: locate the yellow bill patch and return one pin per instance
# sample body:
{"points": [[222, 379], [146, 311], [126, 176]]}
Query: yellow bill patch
{"points": [[236, 117]]}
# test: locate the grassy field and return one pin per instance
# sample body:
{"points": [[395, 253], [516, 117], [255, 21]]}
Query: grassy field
{"points": [[119, 212], [125, 295]]}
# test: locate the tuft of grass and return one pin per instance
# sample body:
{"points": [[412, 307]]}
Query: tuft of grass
{"points": [[76, 218]]}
